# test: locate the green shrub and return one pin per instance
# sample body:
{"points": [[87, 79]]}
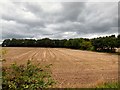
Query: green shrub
{"points": [[30, 77], [109, 85]]}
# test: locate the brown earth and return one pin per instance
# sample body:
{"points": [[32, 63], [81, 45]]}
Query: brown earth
{"points": [[70, 68]]}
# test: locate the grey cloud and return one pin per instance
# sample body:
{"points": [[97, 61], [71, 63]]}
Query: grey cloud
{"points": [[23, 15], [71, 11], [68, 20]]}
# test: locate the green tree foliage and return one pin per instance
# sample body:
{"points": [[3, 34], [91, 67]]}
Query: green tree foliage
{"points": [[86, 45], [106, 44], [6, 42], [103, 44], [118, 41]]}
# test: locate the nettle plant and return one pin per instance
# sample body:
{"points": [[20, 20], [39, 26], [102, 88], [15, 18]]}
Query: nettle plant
{"points": [[30, 77]]}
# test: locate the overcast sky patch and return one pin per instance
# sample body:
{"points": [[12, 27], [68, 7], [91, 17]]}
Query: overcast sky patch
{"points": [[58, 20]]}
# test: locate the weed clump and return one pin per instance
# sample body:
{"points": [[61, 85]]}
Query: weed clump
{"points": [[109, 85], [29, 76]]}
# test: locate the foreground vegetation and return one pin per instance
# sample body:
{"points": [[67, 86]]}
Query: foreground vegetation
{"points": [[109, 85], [30, 77], [101, 44]]}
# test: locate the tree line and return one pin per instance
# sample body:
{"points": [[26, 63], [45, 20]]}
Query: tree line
{"points": [[102, 44]]}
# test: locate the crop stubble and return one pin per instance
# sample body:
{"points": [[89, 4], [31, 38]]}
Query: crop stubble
{"points": [[70, 68]]}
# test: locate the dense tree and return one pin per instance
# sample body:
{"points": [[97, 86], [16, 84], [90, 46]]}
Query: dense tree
{"points": [[118, 41], [6, 42], [104, 44]]}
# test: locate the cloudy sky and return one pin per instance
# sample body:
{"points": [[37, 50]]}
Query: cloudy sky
{"points": [[58, 20]]}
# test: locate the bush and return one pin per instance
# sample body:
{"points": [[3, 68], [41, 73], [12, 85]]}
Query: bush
{"points": [[30, 77]]}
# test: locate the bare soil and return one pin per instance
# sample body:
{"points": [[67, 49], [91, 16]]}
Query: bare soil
{"points": [[70, 68]]}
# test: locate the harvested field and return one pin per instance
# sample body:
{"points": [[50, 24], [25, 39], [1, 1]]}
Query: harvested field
{"points": [[70, 68]]}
